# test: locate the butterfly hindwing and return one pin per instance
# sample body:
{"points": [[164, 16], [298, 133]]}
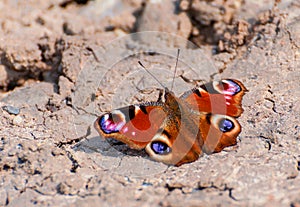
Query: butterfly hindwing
{"points": [[218, 131]]}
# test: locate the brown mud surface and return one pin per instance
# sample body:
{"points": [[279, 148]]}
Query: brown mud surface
{"points": [[64, 62]]}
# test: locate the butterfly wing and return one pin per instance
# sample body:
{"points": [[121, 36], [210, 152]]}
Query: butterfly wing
{"points": [[219, 102], [134, 125], [217, 97], [187, 137], [218, 131]]}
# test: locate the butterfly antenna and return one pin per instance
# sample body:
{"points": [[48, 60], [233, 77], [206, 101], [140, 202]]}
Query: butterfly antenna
{"points": [[151, 75], [178, 51]]}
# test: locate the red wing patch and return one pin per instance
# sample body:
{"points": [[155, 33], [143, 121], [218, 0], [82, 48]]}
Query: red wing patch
{"points": [[222, 97]]}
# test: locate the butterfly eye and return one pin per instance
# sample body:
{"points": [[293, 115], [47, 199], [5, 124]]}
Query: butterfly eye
{"points": [[160, 148], [225, 125]]}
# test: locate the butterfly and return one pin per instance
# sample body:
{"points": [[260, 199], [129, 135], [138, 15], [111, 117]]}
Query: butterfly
{"points": [[178, 130]]}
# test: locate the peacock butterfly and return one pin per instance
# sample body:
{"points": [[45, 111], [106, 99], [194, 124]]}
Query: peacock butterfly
{"points": [[178, 130]]}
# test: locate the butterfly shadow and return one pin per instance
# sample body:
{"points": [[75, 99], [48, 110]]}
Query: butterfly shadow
{"points": [[118, 158], [107, 147]]}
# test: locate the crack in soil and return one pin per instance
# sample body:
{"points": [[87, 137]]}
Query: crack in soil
{"points": [[273, 104], [219, 189], [93, 53], [292, 41], [200, 188], [75, 163], [35, 189], [76, 140]]}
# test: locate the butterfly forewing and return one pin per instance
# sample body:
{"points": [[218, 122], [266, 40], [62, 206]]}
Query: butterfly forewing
{"points": [[135, 125], [217, 97]]}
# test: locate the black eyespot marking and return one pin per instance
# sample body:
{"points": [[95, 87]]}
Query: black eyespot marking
{"points": [[226, 125], [196, 91], [131, 112], [208, 117], [209, 87], [160, 148], [166, 133], [143, 109]]}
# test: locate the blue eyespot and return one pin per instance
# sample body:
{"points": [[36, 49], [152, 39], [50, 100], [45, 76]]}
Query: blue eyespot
{"points": [[110, 124], [225, 125], [160, 148], [230, 87]]}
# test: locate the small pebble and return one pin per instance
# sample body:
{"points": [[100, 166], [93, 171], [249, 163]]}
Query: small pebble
{"points": [[17, 120], [11, 109], [145, 184], [19, 146]]}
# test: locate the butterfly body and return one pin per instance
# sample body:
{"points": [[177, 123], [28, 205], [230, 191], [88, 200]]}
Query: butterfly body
{"points": [[179, 129]]}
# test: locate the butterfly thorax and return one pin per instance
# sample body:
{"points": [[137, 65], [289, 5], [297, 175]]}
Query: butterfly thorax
{"points": [[172, 103]]}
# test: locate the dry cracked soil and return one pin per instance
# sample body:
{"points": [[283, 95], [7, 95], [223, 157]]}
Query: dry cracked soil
{"points": [[64, 62]]}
